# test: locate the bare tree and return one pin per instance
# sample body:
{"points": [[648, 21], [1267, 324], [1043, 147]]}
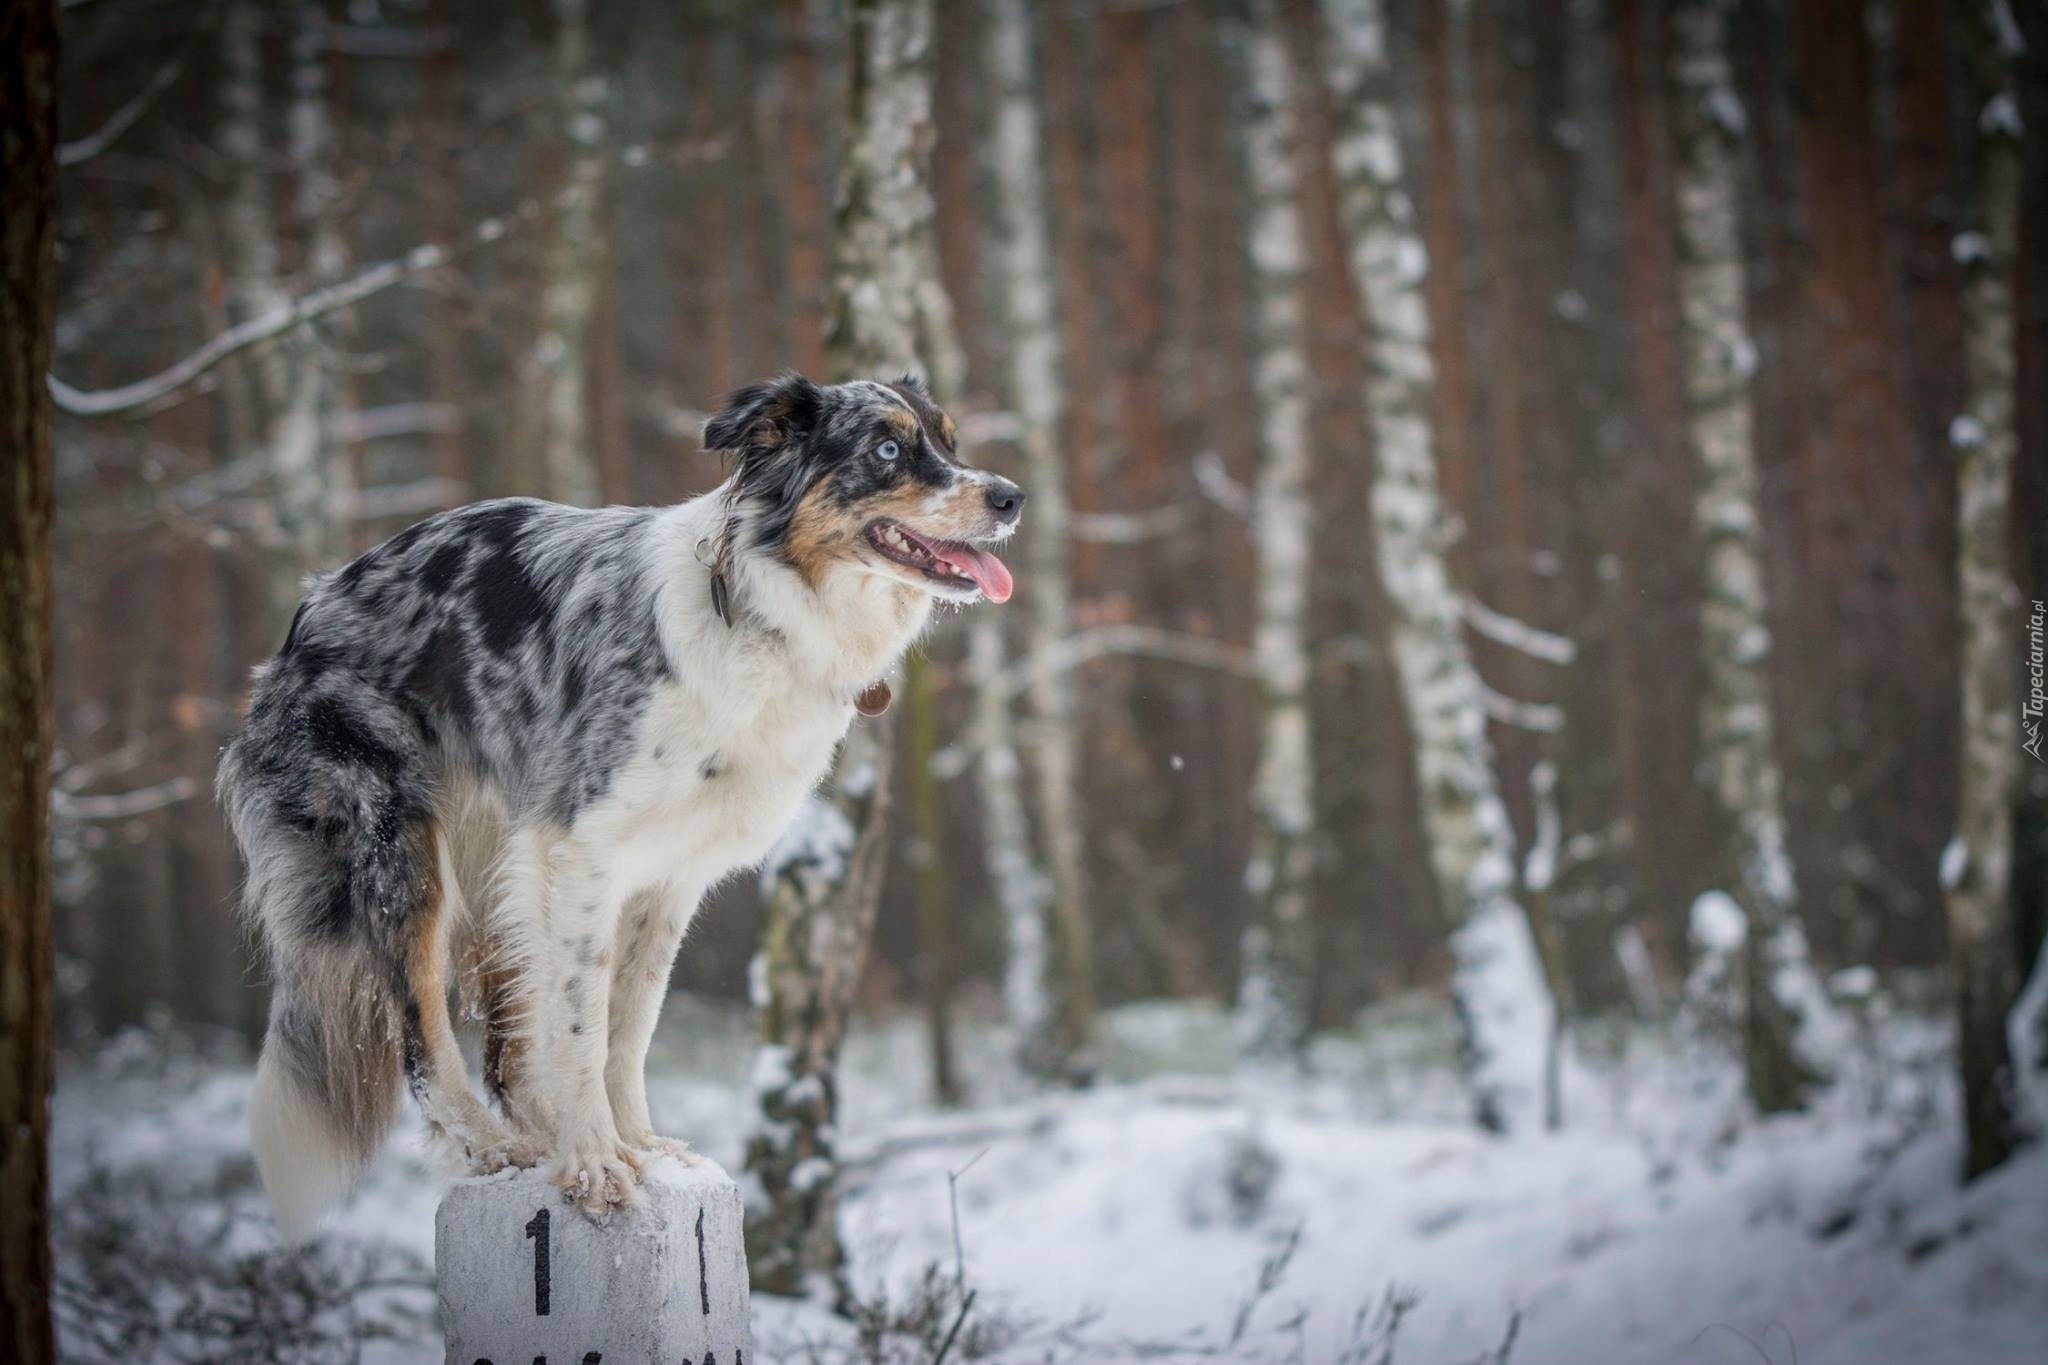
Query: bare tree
{"points": [[28, 149], [1050, 1030], [889, 315], [1976, 870], [1786, 1028], [1278, 955], [1504, 1005]]}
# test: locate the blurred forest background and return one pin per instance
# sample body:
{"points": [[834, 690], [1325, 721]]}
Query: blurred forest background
{"points": [[629, 210]]}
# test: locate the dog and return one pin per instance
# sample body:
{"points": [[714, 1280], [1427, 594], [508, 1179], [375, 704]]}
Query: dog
{"points": [[512, 747]]}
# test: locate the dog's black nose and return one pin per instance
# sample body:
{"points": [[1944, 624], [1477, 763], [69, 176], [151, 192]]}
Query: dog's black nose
{"points": [[1005, 499]]}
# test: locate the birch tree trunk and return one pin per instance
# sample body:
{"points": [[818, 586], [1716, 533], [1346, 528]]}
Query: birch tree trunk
{"points": [[1976, 871], [1053, 1018], [1504, 1007], [28, 113], [889, 316], [285, 402], [1277, 957], [1787, 1027], [561, 358]]}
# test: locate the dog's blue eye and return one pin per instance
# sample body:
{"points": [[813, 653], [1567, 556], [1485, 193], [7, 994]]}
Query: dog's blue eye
{"points": [[888, 450]]}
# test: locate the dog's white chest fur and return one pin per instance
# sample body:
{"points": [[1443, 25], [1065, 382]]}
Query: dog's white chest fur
{"points": [[727, 749]]}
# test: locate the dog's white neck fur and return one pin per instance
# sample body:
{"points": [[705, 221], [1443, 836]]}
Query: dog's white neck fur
{"points": [[841, 635]]}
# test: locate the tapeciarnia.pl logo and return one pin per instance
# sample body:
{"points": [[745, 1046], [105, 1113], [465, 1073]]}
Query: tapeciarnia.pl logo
{"points": [[2037, 697]]}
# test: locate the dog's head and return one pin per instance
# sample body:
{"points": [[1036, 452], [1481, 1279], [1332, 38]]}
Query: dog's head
{"points": [[864, 477]]}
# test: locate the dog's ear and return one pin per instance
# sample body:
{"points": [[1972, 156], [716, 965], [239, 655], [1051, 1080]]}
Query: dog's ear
{"points": [[765, 415]]}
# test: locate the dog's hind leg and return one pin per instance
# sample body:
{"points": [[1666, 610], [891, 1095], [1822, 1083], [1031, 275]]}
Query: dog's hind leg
{"points": [[434, 1067]]}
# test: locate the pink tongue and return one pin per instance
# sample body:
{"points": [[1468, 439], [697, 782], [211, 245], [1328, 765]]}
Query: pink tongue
{"points": [[985, 569]]}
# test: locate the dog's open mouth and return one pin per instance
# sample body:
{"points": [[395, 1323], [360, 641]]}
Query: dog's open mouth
{"points": [[951, 562]]}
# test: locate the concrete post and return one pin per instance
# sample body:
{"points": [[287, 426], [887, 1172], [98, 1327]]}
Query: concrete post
{"points": [[527, 1278]]}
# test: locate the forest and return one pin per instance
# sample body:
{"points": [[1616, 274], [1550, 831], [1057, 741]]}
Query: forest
{"points": [[1515, 753]]}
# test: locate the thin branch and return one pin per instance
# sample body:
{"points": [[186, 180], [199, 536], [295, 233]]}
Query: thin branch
{"points": [[243, 335], [1147, 642], [122, 805], [1517, 635], [406, 499], [1218, 487], [1127, 528], [398, 419], [84, 149], [1540, 716]]}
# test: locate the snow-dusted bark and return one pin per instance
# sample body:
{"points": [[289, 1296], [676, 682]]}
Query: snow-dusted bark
{"points": [[1023, 892], [559, 364], [1976, 872], [1788, 1029], [822, 884], [1038, 392], [889, 316], [1503, 1003], [1278, 957], [286, 404]]}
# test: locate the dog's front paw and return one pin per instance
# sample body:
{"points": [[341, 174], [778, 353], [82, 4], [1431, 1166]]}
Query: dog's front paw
{"points": [[598, 1178]]}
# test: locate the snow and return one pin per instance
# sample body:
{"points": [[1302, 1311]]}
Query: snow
{"points": [[1140, 1220]]}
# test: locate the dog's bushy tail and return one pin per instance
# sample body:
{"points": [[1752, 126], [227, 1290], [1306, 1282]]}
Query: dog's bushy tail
{"points": [[326, 1093], [326, 789]]}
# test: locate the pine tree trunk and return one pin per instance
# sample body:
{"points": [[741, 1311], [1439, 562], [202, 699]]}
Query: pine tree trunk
{"points": [[1278, 954], [889, 316], [1785, 1026], [28, 113], [1038, 390], [1977, 868], [1504, 1006]]}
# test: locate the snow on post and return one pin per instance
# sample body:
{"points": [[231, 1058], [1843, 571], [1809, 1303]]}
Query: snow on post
{"points": [[526, 1277]]}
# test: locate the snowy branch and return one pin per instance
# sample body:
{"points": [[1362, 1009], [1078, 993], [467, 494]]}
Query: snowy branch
{"points": [[127, 116], [1540, 716], [398, 419], [1218, 487], [265, 326], [1127, 528], [122, 805], [1147, 642], [1517, 635]]}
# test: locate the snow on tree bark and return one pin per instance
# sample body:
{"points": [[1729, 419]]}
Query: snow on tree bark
{"points": [[28, 104], [1053, 1017], [889, 316], [1976, 871], [286, 400], [1277, 959], [1788, 1028], [1504, 1007], [560, 361]]}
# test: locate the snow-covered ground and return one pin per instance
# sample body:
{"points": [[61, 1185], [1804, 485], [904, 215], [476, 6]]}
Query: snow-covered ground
{"points": [[1177, 1211]]}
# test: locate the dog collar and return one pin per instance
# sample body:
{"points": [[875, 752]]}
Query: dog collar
{"points": [[874, 699]]}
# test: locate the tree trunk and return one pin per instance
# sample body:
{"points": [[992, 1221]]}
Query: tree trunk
{"points": [[889, 316], [562, 352], [938, 944], [285, 401], [1279, 951], [1038, 390], [1504, 1007], [28, 114], [1977, 868], [1785, 1028]]}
